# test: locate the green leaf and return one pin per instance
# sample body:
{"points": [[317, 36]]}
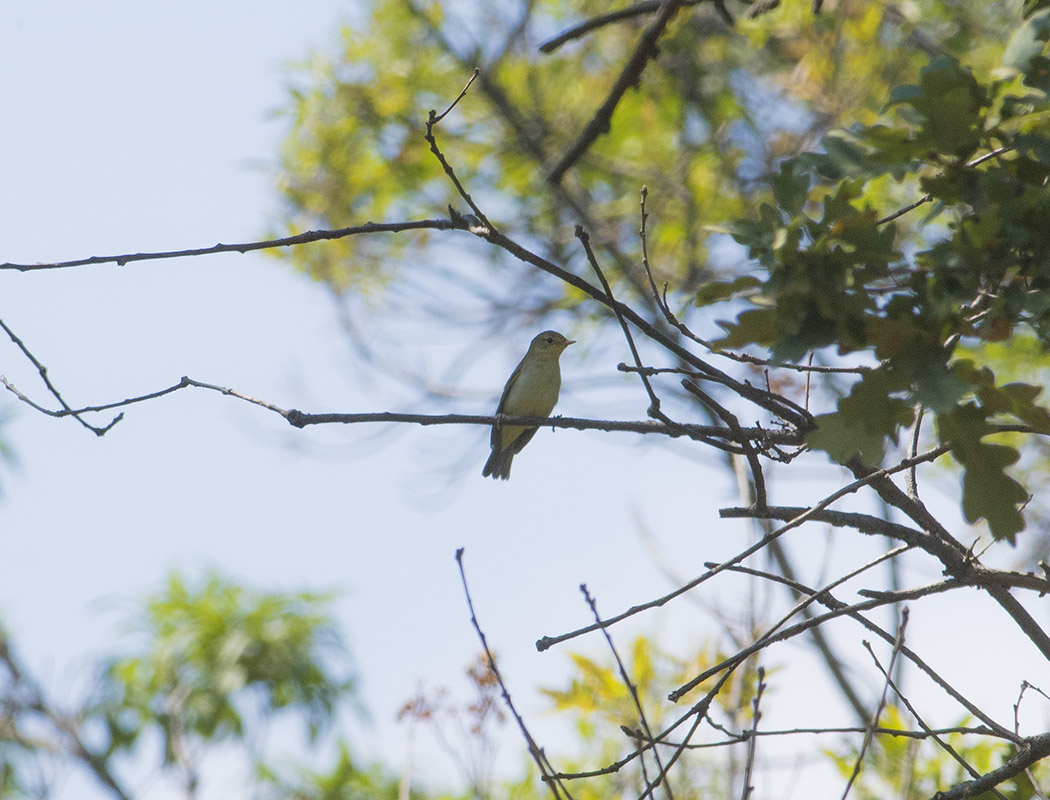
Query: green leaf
{"points": [[949, 103], [1025, 50], [988, 492], [866, 418], [1031, 7], [791, 186], [716, 291], [755, 326]]}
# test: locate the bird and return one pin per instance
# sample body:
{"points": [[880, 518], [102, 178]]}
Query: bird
{"points": [[531, 391]]}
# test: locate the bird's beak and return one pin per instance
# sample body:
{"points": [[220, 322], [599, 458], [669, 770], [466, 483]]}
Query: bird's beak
{"points": [[571, 341]]}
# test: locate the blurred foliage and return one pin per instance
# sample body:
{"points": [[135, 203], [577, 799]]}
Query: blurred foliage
{"points": [[913, 769], [219, 652], [214, 664], [465, 731], [605, 711], [714, 114], [346, 780]]}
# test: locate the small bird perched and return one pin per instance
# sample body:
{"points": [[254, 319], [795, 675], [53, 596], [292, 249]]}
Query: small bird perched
{"points": [[531, 391]]}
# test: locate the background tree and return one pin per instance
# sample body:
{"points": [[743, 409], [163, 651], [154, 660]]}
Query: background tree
{"points": [[210, 666]]}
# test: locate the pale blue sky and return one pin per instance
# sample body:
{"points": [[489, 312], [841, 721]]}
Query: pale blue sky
{"points": [[149, 126]]}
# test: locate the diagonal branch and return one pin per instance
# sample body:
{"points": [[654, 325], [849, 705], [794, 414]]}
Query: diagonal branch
{"points": [[631, 74], [549, 777], [546, 642], [601, 20], [50, 387], [828, 601], [633, 689]]}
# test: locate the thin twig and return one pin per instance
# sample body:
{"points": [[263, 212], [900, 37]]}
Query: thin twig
{"points": [[547, 642], [1025, 685], [752, 743], [50, 387], [869, 735], [433, 120], [910, 480], [245, 247], [943, 744], [461, 95], [552, 781], [654, 401], [660, 300], [929, 197], [634, 695]]}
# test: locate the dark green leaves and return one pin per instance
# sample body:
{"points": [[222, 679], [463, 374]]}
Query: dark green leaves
{"points": [[717, 291], [988, 492], [866, 418], [947, 105]]}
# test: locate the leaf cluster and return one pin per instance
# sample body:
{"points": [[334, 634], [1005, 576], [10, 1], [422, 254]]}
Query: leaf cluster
{"points": [[839, 275], [217, 653]]}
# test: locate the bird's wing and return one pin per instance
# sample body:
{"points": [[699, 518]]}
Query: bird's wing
{"points": [[495, 438]]}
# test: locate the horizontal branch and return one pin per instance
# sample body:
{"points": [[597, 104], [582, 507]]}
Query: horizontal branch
{"points": [[300, 419], [245, 247], [745, 735]]}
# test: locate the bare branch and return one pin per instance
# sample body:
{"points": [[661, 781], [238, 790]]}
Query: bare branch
{"points": [[869, 734], [752, 739], [828, 601], [1033, 749], [546, 642], [245, 247], [50, 387], [432, 120], [654, 401], [552, 780], [771, 635], [634, 696], [733, 424], [887, 674], [300, 419]]}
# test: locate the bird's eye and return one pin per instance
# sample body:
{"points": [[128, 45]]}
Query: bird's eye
{"points": [[550, 340]]}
